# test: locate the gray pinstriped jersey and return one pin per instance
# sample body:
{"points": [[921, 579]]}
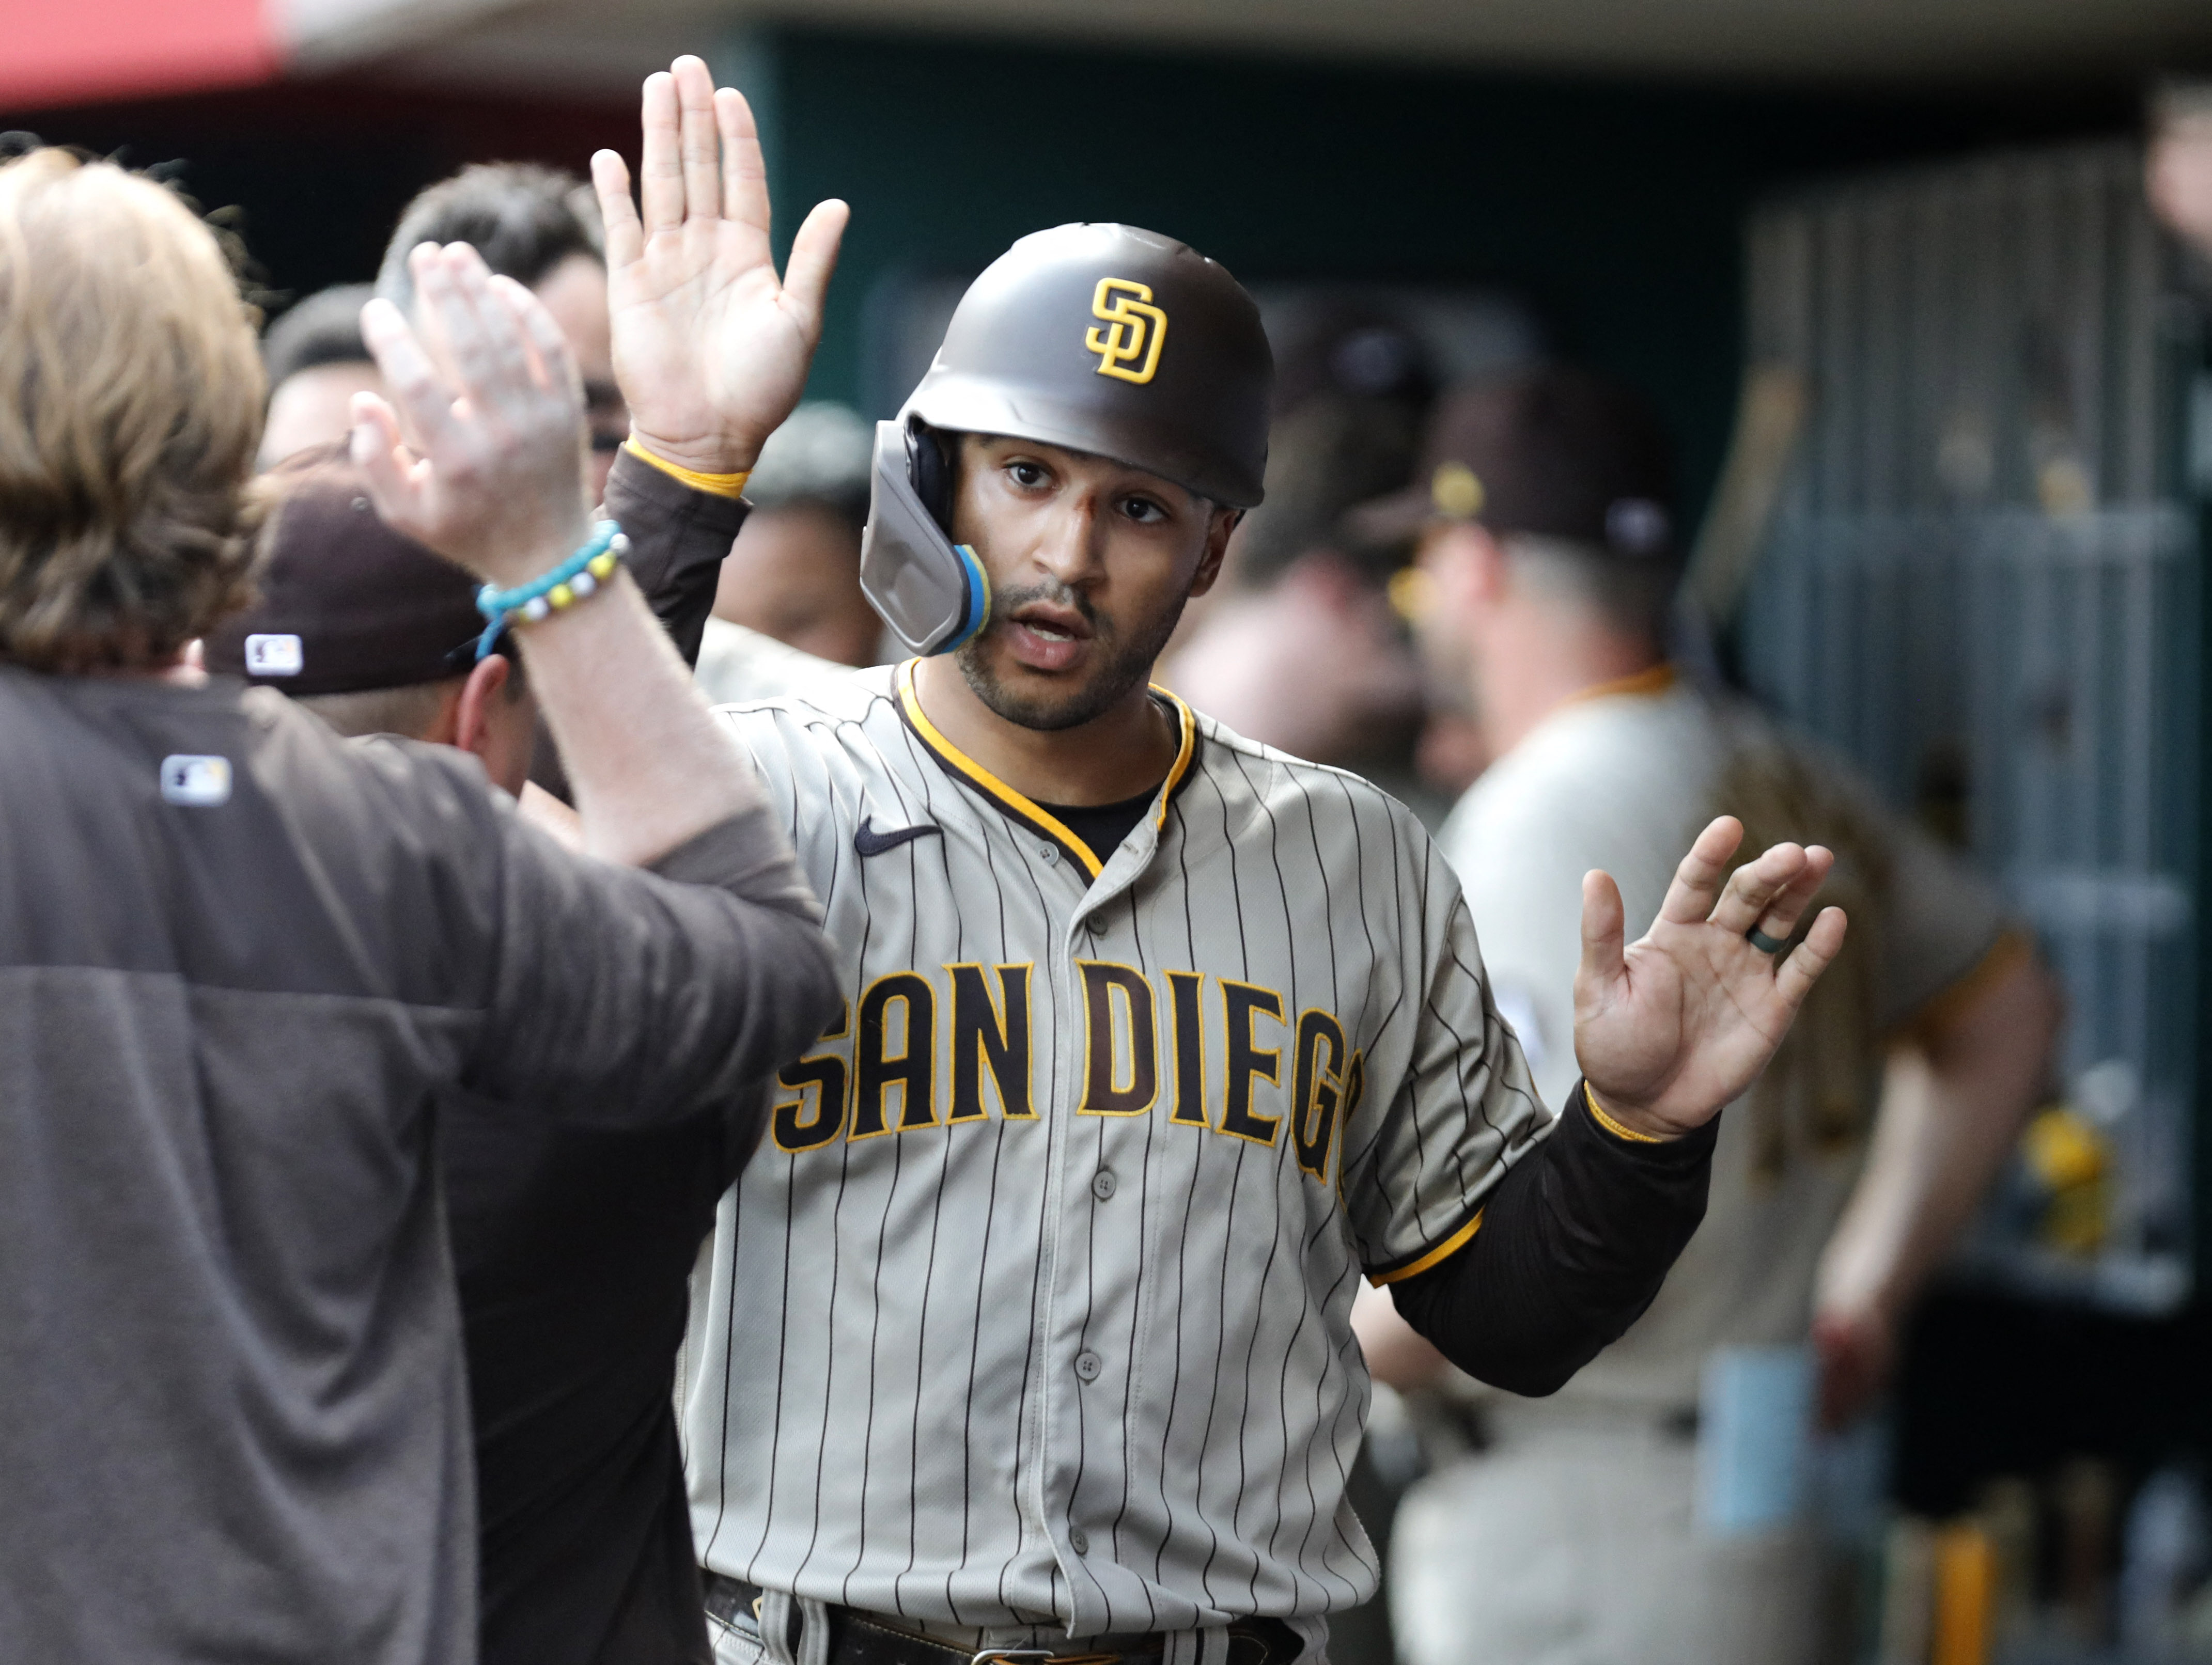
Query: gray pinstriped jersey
{"points": [[1034, 1306]]}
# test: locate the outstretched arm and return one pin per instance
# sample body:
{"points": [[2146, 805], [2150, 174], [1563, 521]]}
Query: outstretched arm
{"points": [[617, 995], [1574, 1243], [711, 349], [711, 346], [1576, 1238], [494, 481]]}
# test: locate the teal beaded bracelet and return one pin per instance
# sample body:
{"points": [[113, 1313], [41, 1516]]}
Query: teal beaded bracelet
{"points": [[568, 583]]}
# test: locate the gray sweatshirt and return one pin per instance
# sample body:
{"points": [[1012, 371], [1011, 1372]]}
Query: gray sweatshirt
{"points": [[232, 1421]]}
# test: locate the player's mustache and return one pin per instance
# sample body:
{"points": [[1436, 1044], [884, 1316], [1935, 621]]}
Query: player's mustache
{"points": [[1007, 603]]}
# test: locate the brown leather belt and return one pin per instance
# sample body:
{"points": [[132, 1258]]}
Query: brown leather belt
{"points": [[859, 1638]]}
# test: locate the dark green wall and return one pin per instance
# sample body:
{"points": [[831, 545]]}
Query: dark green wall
{"points": [[1615, 209]]}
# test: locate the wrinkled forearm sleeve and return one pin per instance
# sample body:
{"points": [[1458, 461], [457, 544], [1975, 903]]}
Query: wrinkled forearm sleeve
{"points": [[678, 538], [1574, 1241]]}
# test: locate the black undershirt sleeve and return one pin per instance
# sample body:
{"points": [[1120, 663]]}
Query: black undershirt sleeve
{"points": [[1574, 1243], [679, 537]]}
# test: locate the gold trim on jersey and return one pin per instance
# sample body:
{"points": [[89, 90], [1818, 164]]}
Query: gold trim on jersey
{"points": [[1187, 721], [1443, 1252], [2012, 949], [1646, 684], [1028, 813]]}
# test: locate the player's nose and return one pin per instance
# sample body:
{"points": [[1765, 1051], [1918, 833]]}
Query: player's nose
{"points": [[1072, 546]]}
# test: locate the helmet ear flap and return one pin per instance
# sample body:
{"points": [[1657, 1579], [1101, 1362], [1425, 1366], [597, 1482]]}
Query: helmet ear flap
{"points": [[929, 465], [932, 592]]}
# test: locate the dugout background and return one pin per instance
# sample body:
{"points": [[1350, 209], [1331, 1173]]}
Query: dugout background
{"points": [[1615, 210]]}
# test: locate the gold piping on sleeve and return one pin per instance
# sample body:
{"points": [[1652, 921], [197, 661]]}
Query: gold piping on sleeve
{"points": [[1450, 1246], [721, 485], [1619, 1131]]}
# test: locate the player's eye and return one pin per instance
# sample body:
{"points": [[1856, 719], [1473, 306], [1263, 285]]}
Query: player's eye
{"points": [[1143, 510], [1027, 476]]}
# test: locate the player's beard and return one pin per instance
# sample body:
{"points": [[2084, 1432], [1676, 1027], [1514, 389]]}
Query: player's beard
{"points": [[1119, 665]]}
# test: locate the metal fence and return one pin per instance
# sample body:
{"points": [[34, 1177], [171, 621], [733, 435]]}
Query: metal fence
{"points": [[1982, 586]]}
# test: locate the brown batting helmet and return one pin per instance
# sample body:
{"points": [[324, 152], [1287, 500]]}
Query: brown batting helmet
{"points": [[1099, 338]]}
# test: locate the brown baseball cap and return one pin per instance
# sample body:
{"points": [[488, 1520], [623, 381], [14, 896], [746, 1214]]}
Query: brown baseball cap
{"points": [[1556, 450], [347, 603]]}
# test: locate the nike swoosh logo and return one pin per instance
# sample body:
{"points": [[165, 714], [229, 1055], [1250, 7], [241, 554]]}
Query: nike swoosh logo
{"points": [[869, 842]]}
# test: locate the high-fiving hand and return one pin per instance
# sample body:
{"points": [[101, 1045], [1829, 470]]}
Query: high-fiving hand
{"points": [[1671, 1030], [711, 349], [490, 471]]}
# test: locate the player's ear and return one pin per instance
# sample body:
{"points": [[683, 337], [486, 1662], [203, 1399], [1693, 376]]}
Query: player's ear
{"points": [[487, 683], [1489, 574], [1220, 524]]}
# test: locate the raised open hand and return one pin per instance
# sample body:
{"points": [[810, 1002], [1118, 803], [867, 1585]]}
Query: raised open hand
{"points": [[1683, 1021], [711, 350], [490, 471]]}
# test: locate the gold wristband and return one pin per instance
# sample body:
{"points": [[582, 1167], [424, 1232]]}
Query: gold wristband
{"points": [[721, 485], [1617, 1130]]}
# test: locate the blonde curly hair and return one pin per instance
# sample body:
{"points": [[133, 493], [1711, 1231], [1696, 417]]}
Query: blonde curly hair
{"points": [[130, 401]]}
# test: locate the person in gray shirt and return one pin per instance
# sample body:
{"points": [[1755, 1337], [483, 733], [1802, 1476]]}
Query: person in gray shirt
{"points": [[240, 959]]}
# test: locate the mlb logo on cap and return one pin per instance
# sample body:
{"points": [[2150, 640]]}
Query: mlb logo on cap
{"points": [[274, 655], [198, 782]]}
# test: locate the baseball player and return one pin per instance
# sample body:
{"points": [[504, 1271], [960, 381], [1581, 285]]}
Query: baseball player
{"points": [[1026, 1335], [1544, 509]]}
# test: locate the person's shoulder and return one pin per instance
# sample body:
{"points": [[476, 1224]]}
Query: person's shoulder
{"points": [[1604, 759], [1618, 783], [739, 665], [844, 696], [1273, 779], [838, 729]]}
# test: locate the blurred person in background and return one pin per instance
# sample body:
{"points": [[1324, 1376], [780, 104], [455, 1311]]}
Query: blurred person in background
{"points": [[316, 362], [2177, 172], [241, 960], [1548, 563], [541, 228], [573, 1237], [1297, 646], [793, 579]]}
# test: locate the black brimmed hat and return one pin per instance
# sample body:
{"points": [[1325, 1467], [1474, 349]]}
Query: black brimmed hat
{"points": [[1555, 452], [347, 603]]}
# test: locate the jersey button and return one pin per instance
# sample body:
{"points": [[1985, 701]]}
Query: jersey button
{"points": [[1078, 1540], [1095, 923], [1048, 853], [1088, 1366], [1101, 1184]]}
